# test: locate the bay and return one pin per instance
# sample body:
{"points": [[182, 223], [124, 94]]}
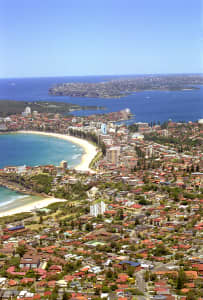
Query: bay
{"points": [[32, 150], [147, 106]]}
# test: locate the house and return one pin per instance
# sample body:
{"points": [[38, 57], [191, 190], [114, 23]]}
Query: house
{"points": [[8, 251], [136, 265], [30, 261], [55, 268]]}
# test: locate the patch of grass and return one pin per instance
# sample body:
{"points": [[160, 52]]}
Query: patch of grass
{"points": [[15, 218]]}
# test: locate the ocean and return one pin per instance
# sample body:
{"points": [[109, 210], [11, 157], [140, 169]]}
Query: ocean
{"points": [[7, 196], [147, 106], [33, 150], [10, 200]]}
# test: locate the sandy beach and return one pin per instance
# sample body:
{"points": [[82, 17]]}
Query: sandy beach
{"points": [[90, 150], [21, 205], [29, 207]]}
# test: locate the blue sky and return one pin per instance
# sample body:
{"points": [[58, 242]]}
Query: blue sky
{"points": [[96, 37]]}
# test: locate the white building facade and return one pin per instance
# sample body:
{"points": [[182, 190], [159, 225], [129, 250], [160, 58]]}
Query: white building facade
{"points": [[97, 209]]}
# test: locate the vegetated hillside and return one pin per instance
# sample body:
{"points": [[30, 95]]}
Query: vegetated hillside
{"points": [[9, 107], [126, 86]]}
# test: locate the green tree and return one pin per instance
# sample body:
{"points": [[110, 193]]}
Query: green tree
{"points": [[89, 227], [161, 250], [191, 296], [146, 276], [21, 249], [66, 296], [41, 219], [181, 279]]}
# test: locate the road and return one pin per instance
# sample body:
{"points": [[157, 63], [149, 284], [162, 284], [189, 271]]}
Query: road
{"points": [[140, 282]]}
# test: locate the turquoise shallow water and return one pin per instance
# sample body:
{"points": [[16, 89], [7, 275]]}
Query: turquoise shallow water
{"points": [[32, 150], [10, 200], [7, 196]]}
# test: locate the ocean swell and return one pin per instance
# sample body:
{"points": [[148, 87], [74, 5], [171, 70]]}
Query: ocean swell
{"points": [[11, 199]]}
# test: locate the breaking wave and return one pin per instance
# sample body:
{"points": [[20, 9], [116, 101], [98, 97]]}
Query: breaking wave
{"points": [[75, 156], [11, 199]]}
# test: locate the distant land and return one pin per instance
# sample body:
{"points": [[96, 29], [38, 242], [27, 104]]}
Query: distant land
{"points": [[9, 107], [126, 86]]}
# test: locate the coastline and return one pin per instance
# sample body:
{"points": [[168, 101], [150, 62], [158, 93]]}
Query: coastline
{"points": [[13, 208], [20, 205], [89, 149]]}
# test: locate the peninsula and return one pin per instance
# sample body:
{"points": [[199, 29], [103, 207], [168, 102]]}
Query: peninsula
{"points": [[127, 85], [10, 107]]}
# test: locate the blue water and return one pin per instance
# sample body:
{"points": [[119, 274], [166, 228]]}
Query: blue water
{"points": [[7, 196], [33, 150], [147, 106]]}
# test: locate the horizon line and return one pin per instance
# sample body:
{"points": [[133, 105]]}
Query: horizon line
{"points": [[102, 75]]}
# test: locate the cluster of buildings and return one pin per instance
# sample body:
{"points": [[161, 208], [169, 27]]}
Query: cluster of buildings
{"points": [[133, 229], [125, 86]]}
